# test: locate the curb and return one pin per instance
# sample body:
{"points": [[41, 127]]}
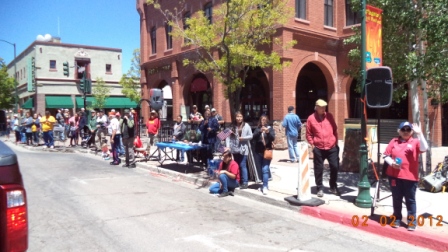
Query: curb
{"points": [[417, 238]]}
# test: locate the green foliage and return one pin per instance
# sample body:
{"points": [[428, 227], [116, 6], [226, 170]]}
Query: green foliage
{"points": [[131, 81], [100, 92], [240, 38], [415, 44], [6, 87]]}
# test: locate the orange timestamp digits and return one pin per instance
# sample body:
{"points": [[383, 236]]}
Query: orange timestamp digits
{"points": [[362, 221]]}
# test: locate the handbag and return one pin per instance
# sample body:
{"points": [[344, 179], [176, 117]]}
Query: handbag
{"points": [[267, 154]]}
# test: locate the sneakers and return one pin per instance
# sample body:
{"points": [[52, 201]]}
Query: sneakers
{"points": [[224, 194], [45, 147], [412, 226], [132, 166], [396, 224], [265, 191], [243, 186], [125, 165], [114, 163], [335, 191], [52, 147], [320, 193]]}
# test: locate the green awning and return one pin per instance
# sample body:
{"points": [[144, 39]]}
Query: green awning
{"points": [[28, 104], [58, 102], [111, 102]]}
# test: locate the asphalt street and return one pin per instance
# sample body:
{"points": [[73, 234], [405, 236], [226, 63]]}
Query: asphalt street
{"points": [[81, 203]]}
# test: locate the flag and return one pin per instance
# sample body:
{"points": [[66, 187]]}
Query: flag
{"points": [[224, 134]]}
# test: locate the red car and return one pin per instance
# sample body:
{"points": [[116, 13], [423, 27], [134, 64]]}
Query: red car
{"points": [[13, 206]]}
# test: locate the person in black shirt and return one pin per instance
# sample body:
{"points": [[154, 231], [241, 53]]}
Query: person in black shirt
{"points": [[127, 134]]}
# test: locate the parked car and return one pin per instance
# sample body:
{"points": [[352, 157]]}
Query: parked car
{"points": [[13, 204]]}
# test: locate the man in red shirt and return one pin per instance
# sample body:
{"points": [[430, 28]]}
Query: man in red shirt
{"points": [[322, 134], [153, 126]]}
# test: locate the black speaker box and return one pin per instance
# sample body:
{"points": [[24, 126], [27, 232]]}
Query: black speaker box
{"points": [[379, 87], [156, 98]]}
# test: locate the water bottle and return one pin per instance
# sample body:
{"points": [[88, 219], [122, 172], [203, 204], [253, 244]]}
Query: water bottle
{"points": [[398, 161]]}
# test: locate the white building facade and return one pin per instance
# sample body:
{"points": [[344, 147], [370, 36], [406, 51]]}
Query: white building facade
{"points": [[50, 87]]}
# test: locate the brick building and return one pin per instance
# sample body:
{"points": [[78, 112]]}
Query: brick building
{"points": [[316, 71]]}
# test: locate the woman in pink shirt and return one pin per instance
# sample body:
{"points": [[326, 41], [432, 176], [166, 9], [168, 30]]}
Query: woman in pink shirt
{"points": [[402, 157]]}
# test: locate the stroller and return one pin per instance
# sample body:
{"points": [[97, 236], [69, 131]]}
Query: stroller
{"points": [[87, 138]]}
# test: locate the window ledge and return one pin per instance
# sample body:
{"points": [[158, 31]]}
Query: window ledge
{"points": [[53, 70], [349, 27], [303, 21], [152, 56], [109, 73], [330, 28]]}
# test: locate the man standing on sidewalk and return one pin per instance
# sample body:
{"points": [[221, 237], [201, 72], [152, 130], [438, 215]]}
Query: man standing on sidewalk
{"points": [[322, 134], [292, 126], [127, 134]]}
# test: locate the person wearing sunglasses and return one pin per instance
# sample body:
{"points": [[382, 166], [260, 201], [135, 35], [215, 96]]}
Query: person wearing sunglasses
{"points": [[401, 155]]}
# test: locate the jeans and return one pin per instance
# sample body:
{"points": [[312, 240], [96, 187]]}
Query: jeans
{"points": [[48, 138], [404, 188], [114, 149], [293, 148], [121, 147], [242, 162], [227, 182], [265, 163], [332, 155], [36, 138], [180, 153], [129, 150]]}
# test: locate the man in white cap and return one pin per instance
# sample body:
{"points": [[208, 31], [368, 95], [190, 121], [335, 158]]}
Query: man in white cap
{"points": [[322, 134]]}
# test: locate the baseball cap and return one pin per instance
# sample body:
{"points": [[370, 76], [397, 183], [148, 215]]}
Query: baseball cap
{"points": [[321, 103], [111, 113], [213, 110], [117, 114], [127, 111], [405, 124], [194, 106], [153, 111], [290, 108], [15, 115]]}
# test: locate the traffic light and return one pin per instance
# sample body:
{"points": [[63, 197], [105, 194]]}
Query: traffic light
{"points": [[88, 86], [66, 68], [82, 84]]}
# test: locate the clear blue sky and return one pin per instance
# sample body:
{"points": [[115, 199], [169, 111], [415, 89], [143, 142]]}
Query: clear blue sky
{"points": [[105, 23]]}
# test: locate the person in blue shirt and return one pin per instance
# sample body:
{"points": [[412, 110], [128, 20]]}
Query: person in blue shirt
{"points": [[292, 126]]}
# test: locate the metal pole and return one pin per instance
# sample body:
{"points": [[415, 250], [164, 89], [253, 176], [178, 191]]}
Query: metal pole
{"points": [[363, 199]]}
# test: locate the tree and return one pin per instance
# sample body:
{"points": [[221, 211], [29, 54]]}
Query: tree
{"points": [[131, 81], [240, 37], [6, 87], [100, 92], [415, 47]]}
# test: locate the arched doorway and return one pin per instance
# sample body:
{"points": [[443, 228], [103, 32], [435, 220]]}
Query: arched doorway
{"points": [[167, 109], [200, 92], [310, 86], [255, 96]]}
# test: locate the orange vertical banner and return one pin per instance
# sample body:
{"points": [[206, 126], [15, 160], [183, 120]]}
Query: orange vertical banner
{"points": [[374, 42]]}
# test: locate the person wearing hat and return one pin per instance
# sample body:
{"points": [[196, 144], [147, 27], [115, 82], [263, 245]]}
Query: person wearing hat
{"points": [[217, 116], [92, 128], [152, 125], [292, 126], [127, 135], [101, 126], [114, 126], [322, 135], [228, 175], [195, 117], [401, 155]]}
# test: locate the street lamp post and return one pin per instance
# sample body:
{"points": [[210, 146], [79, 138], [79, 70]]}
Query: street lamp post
{"points": [[363, 199], [15, 75]]}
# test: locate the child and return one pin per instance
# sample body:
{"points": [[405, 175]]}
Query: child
{"points": [[105, 152], [73, 134]]}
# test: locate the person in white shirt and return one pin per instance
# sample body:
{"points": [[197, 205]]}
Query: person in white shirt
{"points": [[115, 138], [101, 133]]}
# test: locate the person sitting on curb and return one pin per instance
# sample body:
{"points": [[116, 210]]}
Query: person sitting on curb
{"points": [[228, 175]]}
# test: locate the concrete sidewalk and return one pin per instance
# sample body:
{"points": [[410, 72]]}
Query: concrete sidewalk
{"points": [[431, 233]]}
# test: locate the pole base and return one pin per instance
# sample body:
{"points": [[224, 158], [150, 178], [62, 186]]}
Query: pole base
{"points": [[311, 202]]}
